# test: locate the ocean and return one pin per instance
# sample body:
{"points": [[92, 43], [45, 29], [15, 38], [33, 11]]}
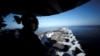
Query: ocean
{"points": [[88, 37]]}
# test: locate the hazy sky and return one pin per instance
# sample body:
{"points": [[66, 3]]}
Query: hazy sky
{"points": [[87, 14]]}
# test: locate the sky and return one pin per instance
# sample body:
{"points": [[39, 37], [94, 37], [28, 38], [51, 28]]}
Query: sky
{"points": [[87, 14]]}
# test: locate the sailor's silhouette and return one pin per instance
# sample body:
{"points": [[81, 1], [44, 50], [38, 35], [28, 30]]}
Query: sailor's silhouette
{"points": [[28, 40]]}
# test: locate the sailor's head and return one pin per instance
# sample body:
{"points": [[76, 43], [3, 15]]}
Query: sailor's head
{"points": [[30, 23]]}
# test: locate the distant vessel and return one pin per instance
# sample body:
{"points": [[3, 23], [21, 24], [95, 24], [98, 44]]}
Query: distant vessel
{"points": [[61, 42]]}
